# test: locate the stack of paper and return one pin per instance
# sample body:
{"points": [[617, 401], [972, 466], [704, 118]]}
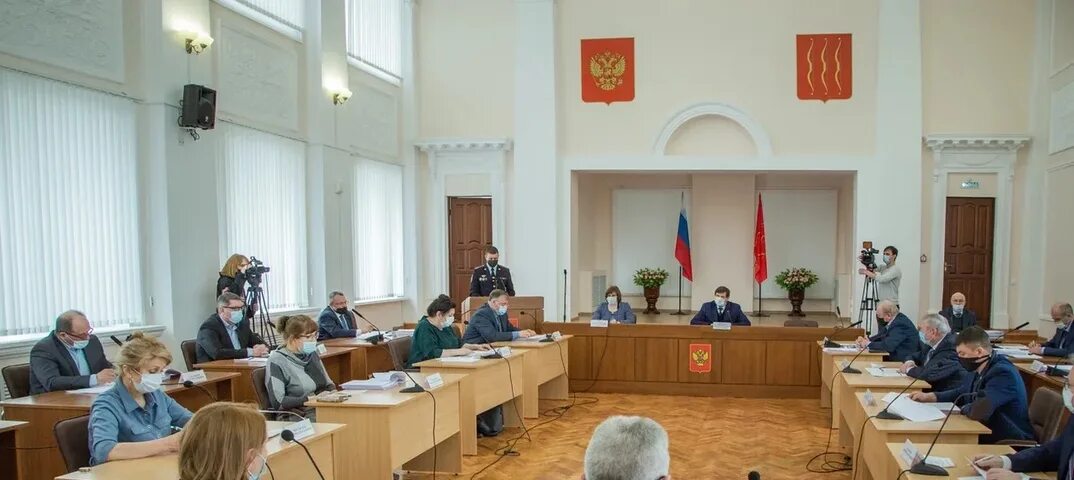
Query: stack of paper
{"points": [[380, 381], [883, 372], [92, 390], [843, 349], [464, 359], [253, 360], [914, 411]]}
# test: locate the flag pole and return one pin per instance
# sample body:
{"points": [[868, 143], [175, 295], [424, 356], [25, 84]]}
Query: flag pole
{"points": [[760, 309], [680, 312]]}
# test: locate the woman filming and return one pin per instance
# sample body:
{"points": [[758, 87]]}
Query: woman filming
{"points": [[233, 279]]}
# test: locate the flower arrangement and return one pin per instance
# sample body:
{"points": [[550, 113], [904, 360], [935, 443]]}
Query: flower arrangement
{"points": [[796, 278], [650, 277]]}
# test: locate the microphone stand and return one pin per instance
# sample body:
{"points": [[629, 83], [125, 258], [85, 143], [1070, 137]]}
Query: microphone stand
{"points": [[885, 414], [380, 334], [289, 436], [847, 368], [417, 388], [1015, 329], [191, 384], [828, 343], [922, 468]]}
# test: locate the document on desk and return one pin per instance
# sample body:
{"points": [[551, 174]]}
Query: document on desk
{"points": [[92, 390], [253, 360], [1017, 353], [844, 349], [466, 359], [942, 462], [914, 411], [884, 372]]}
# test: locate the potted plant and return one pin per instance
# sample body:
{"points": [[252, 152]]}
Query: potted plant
{"points": [[650, 280], [795, 281]]}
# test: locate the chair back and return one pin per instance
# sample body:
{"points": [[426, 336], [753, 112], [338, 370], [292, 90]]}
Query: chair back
{"points": [[400, 350], [1044, 412], [190, 353], [17, 379], [71, 438], [261, 389]]}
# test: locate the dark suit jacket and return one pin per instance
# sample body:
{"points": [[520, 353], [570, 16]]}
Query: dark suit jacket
{"points": [[1050, 457], [488, 327], [1000, 398], [1061, 344], [899, 338], [52, 368], [482, 283], [941, 369], [215, 344], [328, 325], [708, 314], [968, 319]]}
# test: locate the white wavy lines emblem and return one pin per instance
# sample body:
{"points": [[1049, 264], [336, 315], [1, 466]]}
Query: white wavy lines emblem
{"points": [[809, 59], [824, 66], [838, 65]]}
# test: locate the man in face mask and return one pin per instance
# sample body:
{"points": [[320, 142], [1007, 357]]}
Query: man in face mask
{"points": [[71, 357], [491, 276], [937, 361], [993, 392], [958, 315], [226, 335], [1062, 343], [1053, 456], [897, 334], [887, 275], [337, 321], [720, 309]]}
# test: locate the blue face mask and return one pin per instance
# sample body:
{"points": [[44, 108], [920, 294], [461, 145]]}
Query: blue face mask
{"points": [[502, 310], [80, 344], [261, 471], [922, 335], [309, 347], [887, 259], [236, 317]]}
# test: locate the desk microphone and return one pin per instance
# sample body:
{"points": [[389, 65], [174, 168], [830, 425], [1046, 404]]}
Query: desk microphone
{"points": [[191, 384], [753, 476], [885, 414], [283, 412], [547, 336], [1054, 371], [1015, 329], [847, 368], [116, 340], [289, 436], [828, 343], [922, 468], [376, 338]]}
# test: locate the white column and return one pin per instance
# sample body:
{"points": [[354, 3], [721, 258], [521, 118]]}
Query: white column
{"points": [[888, 188], [318, 128], [412, 228], [532, 232]]}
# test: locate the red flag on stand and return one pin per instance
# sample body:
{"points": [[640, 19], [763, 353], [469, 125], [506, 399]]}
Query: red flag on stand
{"points": [[760, 258]]}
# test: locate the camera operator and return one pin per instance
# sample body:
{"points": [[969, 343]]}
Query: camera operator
{"points": [[233, 279], [887, 276]]}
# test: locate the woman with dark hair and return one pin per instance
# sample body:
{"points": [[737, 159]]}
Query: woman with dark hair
{"points": [[613, 308], [434, 336]]}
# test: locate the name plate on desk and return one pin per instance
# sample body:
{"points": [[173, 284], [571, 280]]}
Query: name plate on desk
{"points": [[869, 398], [910, 453], [598, 323], [721, 326], [321, 349], [435, 381], [301, 429], [196, 376]]}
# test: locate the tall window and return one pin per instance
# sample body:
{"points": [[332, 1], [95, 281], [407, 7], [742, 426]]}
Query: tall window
{"points": [[374, 34], [281, 14], [68, 206], [378, 230], [264, 215]]}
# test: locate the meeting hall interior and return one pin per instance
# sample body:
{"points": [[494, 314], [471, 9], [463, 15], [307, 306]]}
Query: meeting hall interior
{"points": [[536, 239]]}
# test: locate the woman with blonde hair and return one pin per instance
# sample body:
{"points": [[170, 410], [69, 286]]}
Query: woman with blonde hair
{"points": [[224, 441], [233, 279], [295, 372], [135, 418]]}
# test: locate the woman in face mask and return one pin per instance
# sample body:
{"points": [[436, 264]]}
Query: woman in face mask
{"points": [[135, 419], [435, 336], [294, 371], [224, 441], [614, 309]]}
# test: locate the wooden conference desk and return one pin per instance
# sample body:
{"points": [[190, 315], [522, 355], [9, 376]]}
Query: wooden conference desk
{"points": [[286, 459], [390, 430], [366, 358], [757, 362], [829, 366], [485, 384], [337, 363], [43, 411], [849, 385], [546, 372], [878, 433], [959, 454], [9, 462]]}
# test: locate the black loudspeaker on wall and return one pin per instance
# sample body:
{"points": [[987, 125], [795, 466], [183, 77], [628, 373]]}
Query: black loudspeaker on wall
{"points": [[199, 107]]}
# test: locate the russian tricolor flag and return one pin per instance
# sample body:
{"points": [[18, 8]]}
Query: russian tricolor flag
{"points": [[682, 246]]}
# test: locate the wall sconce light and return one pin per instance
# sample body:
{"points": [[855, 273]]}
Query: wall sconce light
{"points": [[197, 42], [340, 96]]}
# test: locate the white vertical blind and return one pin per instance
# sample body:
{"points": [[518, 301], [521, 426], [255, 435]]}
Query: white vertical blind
{"points": [[68, 206], [264, 194], [378, 230], [288, 12], [374, 34]]}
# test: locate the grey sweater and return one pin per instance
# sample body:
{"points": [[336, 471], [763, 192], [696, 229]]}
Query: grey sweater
{"points": [[293, 377]]}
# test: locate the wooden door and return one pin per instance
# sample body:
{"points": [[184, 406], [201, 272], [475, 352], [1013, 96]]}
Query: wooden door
{"points": [[968, 254], [469, 231]]}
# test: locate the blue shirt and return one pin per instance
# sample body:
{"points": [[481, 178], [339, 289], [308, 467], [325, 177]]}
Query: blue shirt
{"points": [[233, 332], [79, 355], [116, 418]]}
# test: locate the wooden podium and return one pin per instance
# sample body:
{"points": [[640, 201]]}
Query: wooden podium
{"points": [[526, 313]]}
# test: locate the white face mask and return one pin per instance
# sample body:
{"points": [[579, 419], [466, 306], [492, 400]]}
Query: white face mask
{"points": [[957, 309], [448, 320], [150, 382], [613, 300], [1068, 399], [720, 302]]}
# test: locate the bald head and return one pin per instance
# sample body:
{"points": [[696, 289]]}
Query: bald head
{"points": [[72, 321], [887, 310], [1062, 312], [958, 298]]}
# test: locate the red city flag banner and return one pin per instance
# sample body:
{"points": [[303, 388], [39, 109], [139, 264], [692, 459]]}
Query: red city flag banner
{"points": [[824, 71], [607, 70], [760, 250], [700, 357]]}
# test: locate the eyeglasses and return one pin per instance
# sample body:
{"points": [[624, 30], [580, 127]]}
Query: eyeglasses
{"points": [[236, 309], [84, 336]]}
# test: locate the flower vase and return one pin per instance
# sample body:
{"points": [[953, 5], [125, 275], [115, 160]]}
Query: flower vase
{"points": [[796, 297], [652, 294]]}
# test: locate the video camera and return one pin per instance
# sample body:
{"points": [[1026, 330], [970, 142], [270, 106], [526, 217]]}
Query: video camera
{"points": [[254, 272], [868, 256]]}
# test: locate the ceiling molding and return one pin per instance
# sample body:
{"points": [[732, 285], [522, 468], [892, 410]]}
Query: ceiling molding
{"points": [[976, 143], [464, 144]]}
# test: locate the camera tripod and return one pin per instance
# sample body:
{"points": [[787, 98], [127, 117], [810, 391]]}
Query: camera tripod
{"points": [[869, 300], [260, 322]]}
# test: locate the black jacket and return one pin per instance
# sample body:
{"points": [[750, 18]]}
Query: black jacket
{"points": [[486, 326], [941, 369], [482, 283], [236, 284], [968, 319], [52, 368], [215, 344]]}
